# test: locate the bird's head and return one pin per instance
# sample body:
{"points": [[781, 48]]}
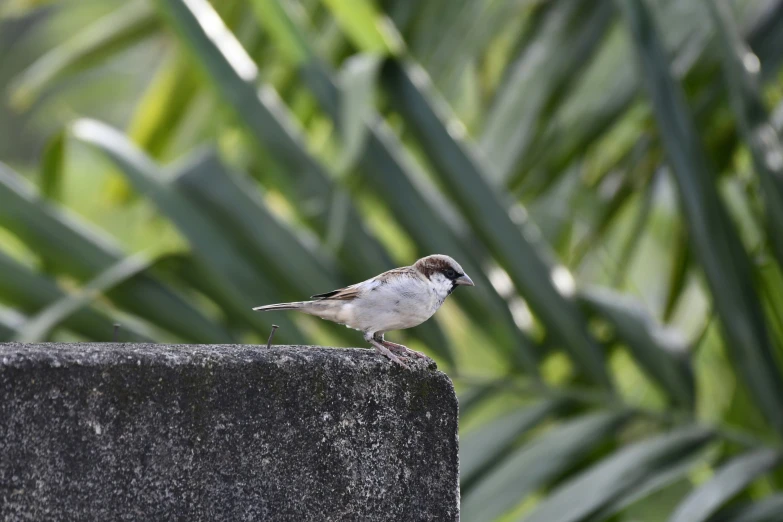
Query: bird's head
{"points": [[443, 270]]}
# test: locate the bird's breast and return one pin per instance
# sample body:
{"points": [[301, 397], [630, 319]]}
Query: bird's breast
{"points": [[395, 306]]}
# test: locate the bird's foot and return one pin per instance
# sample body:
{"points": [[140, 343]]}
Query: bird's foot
{"points": [[404, 350], [383, 350], [396, 348]]}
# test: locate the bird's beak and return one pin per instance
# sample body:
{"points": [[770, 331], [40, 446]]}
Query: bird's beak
{"points": [[464, 280]]}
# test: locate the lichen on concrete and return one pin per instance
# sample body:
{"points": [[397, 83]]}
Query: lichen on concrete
{"points": [[223, 432]]}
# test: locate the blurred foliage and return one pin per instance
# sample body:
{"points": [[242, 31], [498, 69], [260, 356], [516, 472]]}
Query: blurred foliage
{"points": [[609, 173]]}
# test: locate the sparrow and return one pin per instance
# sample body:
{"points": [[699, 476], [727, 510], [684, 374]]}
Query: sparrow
{"points": [[400, 298]]}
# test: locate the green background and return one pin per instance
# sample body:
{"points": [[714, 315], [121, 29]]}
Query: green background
{"points": [[609, 173]]}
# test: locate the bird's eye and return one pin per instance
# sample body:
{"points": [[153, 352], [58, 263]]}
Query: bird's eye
{"points": [[450, 273]]}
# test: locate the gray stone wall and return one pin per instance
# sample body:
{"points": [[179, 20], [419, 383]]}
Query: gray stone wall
{"points": [[185, 432]]}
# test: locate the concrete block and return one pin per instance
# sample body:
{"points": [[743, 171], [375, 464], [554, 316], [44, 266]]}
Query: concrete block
{"points": [[223, 432]]}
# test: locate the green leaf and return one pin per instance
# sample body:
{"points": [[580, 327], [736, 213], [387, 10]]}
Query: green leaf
{"points": [[164, 105], [241, 284], [485, 445], [281, 19], [422, 18], [52, 174], [358, 79], [637, 178], [742, 72], [537, 464], [30, 292], [237, 207], [576, 126], [77, 249], [368, 29], [678, 273], [765, 38], [561, 143], [768, 509], [515, 245], [38, 327], [538, 76], [52, 167], [120, 29], [729, 480], [401, 12], [771, 282], [635, 236], [714, 238], [661, 352], [617, 475], [467, 39], [652, 483]]}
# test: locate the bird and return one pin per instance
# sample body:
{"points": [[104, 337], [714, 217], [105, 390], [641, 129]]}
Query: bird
{"points": [[394, 300]]}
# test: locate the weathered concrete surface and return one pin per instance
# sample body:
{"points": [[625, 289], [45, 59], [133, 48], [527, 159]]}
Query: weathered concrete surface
{"points": [[159, 432]]}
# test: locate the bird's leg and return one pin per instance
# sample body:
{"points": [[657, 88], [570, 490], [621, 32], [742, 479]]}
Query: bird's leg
{"points": [[399, 348], [381, 349]]}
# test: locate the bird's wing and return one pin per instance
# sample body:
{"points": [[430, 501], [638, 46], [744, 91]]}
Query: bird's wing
{"points": [[344, 294], [352, 292]]}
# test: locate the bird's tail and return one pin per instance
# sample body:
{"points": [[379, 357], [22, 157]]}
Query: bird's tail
{"points": [[300, 305]]}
